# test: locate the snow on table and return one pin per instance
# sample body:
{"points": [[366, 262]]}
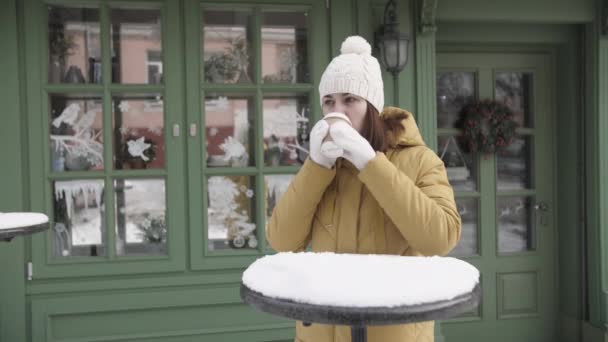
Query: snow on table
{"points": [[356, 280], [18, 220]]}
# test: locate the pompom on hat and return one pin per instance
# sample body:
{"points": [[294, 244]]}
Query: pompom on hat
{"points": [[354, 71]]}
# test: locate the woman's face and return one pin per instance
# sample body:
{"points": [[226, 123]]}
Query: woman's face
{"points": [[353, 106]]}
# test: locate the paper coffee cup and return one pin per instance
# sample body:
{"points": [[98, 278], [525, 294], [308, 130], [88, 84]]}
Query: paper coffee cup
{"points": [[332, 118], [328, 146]]}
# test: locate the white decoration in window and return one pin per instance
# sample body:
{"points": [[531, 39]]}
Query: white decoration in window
{"points": [[225, 222], [82, 142], [213, 131], [233, 149], [137, 147], [155, 130], [124, 106], [219, 104], [124, 130], [278, 184], [72, 189], [68, 116]]}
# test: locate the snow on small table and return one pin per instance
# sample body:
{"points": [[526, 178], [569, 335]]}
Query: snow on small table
{"points": [[360, 290], [356, 280], [14, 224]]}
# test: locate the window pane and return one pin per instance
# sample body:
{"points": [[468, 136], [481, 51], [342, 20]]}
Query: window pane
{"points": [[468, 244], [285, 47], [74, 45], [138, 131], [286, 129], [140, 211], [136, 46], [515, 224], [515, 90], [514, 165], [455, 89], [227, 47], [462, 171], [229, 129], [231, 212], [79, 214], [76, 132]]}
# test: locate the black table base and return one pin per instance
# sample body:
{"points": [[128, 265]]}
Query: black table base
{"points": [[359, 334], [7, 235], [359, 318]]}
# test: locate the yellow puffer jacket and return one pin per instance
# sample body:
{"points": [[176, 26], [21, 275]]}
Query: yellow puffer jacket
{"points": [[401, 203]]}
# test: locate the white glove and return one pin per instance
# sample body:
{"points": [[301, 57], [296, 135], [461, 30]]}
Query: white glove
{"points": [[317, 134], [357, 149]]}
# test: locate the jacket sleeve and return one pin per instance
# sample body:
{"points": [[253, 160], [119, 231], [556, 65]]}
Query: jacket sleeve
{"points": [[290, 225], [424, 209]]}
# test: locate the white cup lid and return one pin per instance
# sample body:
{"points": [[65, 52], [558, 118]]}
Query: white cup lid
{"points": [[338, 115]]}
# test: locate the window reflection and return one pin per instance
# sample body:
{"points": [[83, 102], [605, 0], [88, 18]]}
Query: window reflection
{"points": [[454, 91], [468, 243], [286, 129], [515, 224], [76, 133], [229, 126], [136, 46], [79, 216], [515, 90], [74, 45], [462, 172], [141, 226], [227, 47], [285, 47], [138, 121], [230, 213]]}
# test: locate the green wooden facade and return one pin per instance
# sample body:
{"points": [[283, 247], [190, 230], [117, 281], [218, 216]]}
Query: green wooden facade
{"points": [[555, 289]]}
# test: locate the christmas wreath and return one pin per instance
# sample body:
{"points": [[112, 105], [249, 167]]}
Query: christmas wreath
{"points": [[488, 126]]}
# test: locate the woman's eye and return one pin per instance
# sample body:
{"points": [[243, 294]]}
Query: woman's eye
{"points": [[328, 103]]}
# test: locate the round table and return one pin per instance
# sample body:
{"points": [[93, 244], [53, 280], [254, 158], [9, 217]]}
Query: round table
{"points": [[21, 223], [360, 316]]}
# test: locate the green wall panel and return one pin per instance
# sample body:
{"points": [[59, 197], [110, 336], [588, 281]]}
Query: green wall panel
{"points": [[12, 281], [172, 314], [569, 124], [603, 164], [563, 11]]}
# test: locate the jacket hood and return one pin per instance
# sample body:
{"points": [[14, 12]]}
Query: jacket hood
{"points": [[411, 135]]}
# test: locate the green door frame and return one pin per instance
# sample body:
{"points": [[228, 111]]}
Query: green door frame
{"points": [[12, 255], [596, 165], [537, 266]]}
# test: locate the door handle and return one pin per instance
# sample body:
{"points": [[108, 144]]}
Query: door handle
{"points": [[541, 209]]}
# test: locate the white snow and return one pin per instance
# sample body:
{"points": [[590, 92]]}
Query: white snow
{"points": [[356, 280], [18, 220]]}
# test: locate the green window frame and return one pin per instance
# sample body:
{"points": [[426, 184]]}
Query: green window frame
{"points": [[201, 257], [185, 171]]}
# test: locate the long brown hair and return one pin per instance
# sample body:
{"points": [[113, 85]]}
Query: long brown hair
{"points": [[381, 132]]}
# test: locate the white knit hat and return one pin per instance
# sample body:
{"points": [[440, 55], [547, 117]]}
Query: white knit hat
{"points": [[355, 71]]}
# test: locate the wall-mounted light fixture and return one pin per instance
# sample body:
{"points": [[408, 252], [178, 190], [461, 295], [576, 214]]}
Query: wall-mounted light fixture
{"points": [[392, 44]]}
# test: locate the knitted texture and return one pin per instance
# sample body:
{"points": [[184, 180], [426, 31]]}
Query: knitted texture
{"points": [[354, 71]]}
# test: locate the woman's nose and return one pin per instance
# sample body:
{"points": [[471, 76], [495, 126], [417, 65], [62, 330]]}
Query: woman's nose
{"points": [[339, 107]]}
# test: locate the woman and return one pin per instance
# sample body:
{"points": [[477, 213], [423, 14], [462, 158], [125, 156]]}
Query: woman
{"points": [[387, 194]]}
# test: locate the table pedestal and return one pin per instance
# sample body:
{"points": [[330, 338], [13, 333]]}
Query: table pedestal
{"points": [[359, 334]]}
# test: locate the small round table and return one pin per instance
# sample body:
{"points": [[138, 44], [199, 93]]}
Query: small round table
{"points": [[268, 296], [15, 224]]}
